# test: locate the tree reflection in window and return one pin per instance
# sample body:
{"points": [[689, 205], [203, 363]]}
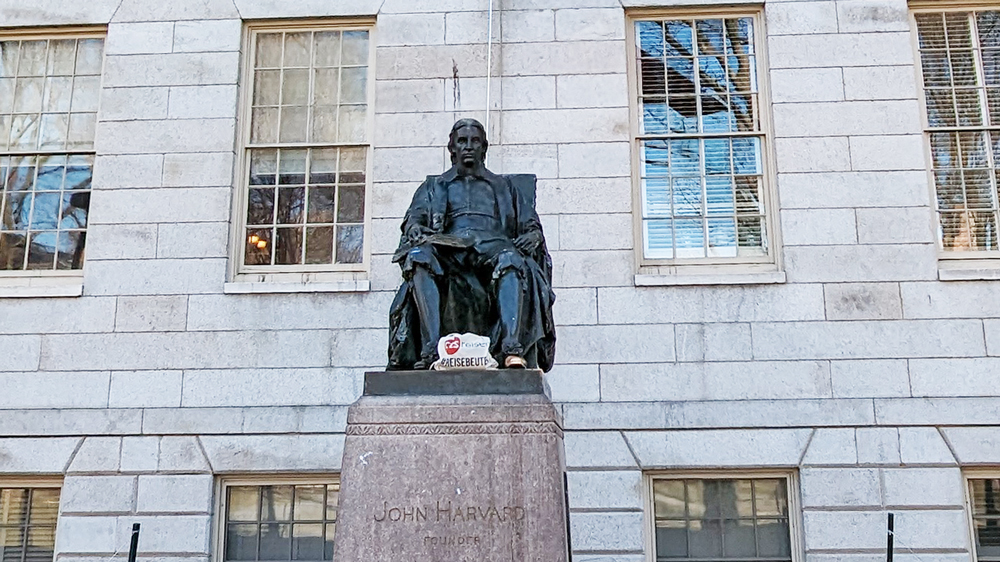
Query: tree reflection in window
{"points": [[48, 110], [700, 139], [960, 66]]}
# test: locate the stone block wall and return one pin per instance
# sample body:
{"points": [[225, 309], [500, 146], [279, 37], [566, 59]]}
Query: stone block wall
{"points": [[872, 382]]}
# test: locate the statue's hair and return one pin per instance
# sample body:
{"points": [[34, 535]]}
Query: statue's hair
{"points": [[468, 122]]}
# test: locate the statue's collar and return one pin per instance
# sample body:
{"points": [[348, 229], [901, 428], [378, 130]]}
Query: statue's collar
{"points": [[483, 174]]}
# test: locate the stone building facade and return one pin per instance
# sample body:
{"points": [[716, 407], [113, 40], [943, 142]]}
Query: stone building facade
{"points": [[850, 357]]}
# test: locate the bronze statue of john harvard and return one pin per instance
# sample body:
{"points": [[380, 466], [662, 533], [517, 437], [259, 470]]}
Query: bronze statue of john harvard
{"points": [[473, 258]]}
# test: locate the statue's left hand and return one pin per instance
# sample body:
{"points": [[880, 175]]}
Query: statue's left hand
{"points": [[528, 242]]}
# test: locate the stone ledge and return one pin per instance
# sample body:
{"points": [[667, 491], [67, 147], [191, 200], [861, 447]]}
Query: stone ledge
{"points": [[748, 278]]}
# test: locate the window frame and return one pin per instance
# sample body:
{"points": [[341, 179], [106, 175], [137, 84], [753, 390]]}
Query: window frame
{"points": [[679, 267], [54, 282], [790, 476], [35, 483], [951, 264], [223, 483], [252, 278], [967, 477]]}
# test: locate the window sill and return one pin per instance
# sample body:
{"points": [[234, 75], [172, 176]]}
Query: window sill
{"points": [[346, 286], [746, 278], [969, 274], [35, 287]]}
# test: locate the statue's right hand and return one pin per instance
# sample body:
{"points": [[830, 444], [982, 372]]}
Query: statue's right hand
{"points": [[417, 233]]}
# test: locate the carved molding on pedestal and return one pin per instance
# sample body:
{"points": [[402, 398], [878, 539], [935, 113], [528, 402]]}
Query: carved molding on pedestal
{"points": [[519, 428]]}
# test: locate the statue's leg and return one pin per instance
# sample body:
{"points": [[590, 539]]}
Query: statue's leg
{"points": [[428, 300], [509, 302]]}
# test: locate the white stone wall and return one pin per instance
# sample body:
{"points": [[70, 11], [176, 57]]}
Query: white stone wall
{"points": [[868, 379]]}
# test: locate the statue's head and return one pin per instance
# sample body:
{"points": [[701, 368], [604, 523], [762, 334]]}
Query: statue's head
{"points": [[467, 143]]}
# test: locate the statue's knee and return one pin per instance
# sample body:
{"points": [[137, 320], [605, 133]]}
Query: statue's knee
{"points": [[508, 262], [421, 259]]}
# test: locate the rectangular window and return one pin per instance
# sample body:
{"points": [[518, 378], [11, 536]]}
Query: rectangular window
{"points": [[306, 150], [721, 519], [28, 524], [286, 521], [984, 495], [49, 89], [700, 144], [960, 68]]}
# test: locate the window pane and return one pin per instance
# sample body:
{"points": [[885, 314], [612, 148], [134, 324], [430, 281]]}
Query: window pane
{"points": [[326, 86], [332, 500], [88, 56], [738, 539], [13, 506], [44, 506], [772, 537], [355, 49], [264, 125], [351, 203], [81, 131], [671, 539], [276, 503], [11, 544], [275, 541], [349, 244], [668, 499], [319, 245], [328, 543], [263, 167], [307, 542], [293, 124], [28, 95], [297, 49], [266, 87], [242, 504], [352, 123], [241, 542], [322, 201], [326, 48], [8, 58], [354, 86], [62, 57], [706, 539], [268, 50], [258, 247], [295, 87], [31, 61]]}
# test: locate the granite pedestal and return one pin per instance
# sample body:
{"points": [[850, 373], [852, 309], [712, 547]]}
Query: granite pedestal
{"points": [[452, 467]]}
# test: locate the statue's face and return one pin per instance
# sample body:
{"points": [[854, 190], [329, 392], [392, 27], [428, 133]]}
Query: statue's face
{"points": [[469, 146]]}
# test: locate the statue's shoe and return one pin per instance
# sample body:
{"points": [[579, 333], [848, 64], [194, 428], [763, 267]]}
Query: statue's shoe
{"points": [[424, 363], [515, 362]]}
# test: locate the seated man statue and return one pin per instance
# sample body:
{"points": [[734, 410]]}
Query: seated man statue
{"points": [[474, 260]]}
